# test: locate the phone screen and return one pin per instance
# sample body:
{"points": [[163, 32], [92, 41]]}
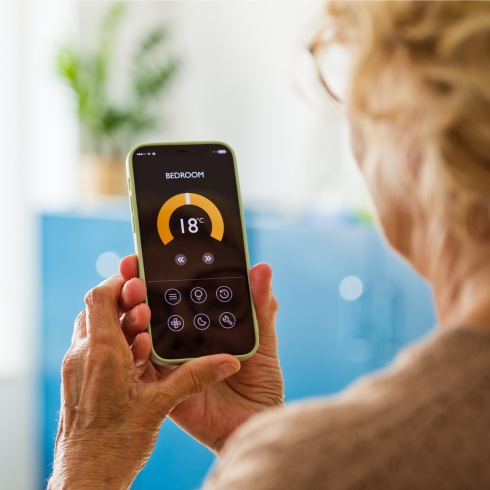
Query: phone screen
{"points": [[193, 250]]}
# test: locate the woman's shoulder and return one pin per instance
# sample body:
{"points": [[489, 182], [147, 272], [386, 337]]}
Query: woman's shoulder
{"points": [[434, 397]]}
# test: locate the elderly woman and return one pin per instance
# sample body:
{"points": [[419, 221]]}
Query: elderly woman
{"points": [[418, 103]]}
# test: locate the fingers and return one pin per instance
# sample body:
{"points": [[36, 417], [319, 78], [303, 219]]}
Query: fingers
{"points": [[137, 314], [195, 376], [133, 293], [112, 298], [102, 316], [135, 321], [129, 267], [266, 305], [141, 352], [80, 329]]}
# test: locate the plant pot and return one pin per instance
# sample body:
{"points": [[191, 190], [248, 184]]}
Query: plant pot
{"points": [[101, 175]]}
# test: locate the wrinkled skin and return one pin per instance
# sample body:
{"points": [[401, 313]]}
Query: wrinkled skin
{"points": [[114, 399]]}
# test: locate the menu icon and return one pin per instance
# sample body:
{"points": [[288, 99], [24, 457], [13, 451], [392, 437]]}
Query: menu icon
{"points": [[172, 296]]}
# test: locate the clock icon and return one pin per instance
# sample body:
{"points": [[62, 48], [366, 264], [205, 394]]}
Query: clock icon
{"points": [[224, 294]]}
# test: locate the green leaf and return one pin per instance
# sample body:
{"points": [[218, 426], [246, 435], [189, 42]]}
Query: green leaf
{"points": [[154, 39], [107, 125], [149, 83]]}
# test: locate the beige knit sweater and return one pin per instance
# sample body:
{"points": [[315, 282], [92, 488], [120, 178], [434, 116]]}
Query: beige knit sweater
{"points": [[422, 424]]}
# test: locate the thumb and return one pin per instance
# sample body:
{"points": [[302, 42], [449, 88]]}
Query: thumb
{"points": [[264, 300], [195, 376], [266, 306]]}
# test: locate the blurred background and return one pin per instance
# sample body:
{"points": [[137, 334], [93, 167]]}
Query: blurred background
{"points": [[82, 82]]}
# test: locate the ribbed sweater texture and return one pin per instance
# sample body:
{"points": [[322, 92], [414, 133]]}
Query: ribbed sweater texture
{"points": [[423, 423]]}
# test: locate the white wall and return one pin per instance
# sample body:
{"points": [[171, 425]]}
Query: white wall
{"points": [[237, 84], [16, 389], [37, 168]]}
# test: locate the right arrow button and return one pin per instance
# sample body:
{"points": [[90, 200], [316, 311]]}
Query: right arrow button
{"points": [[208, 258]]}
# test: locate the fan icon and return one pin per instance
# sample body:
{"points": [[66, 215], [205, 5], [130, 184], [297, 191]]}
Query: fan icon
{"points": [[175, 323]]}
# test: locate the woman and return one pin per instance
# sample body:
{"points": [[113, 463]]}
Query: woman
{"points": [[418, 102]]}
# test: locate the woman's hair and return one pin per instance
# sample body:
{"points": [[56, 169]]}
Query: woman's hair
{"points": [[420, 86]]}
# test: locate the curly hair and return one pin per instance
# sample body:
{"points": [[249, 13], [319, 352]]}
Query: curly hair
{"points": [[420, 83]]}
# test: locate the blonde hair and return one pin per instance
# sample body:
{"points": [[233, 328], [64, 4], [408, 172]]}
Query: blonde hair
{"points": [[420, 83]]}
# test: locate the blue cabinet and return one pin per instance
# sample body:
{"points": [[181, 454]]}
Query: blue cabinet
{"points": [[347, 303], [347, 306]]}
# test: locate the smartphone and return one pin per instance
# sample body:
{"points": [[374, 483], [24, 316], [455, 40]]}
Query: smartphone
{"points": [[189, 236]]}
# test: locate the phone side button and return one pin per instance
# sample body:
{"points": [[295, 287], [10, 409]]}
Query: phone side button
{"points": [[132, 214]]}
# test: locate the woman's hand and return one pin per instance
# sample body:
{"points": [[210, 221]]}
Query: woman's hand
{"points": [[113, 400], [212, 415]]}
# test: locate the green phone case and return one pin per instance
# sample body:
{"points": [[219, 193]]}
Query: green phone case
{"points": [[137, 242]]}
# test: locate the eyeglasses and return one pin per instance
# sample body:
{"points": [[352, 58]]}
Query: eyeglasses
{"points": [[331, 60]]}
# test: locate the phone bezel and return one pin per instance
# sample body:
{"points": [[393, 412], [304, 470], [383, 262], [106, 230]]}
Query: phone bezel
{"points": [[137, 241]]}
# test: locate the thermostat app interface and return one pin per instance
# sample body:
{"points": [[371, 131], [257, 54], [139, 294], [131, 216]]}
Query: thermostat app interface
{"points": [[193, 250]]}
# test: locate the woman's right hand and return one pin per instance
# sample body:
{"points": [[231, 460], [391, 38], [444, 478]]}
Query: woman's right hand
{"points": [[213, 415]]}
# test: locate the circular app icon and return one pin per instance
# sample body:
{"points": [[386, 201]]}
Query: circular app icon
{"points": [[208, 258], [227, 320], [224, 294], [198, 295], [201, 321], [175, 323], [180, 259], [172, 296]]}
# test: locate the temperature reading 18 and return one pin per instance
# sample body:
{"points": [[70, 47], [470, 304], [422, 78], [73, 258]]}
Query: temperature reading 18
{"points": [[192, 222]]}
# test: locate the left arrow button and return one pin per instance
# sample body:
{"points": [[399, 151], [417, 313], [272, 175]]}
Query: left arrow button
{"points": [[180, 259]]}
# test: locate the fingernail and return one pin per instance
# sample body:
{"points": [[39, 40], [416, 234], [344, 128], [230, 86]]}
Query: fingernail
{"points": [[140, 362], [132, 313], [226, 369]]}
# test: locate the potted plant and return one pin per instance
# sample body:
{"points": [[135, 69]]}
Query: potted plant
{"points": [[109, 127]]}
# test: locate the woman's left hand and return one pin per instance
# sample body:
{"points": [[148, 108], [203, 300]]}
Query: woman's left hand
{"points": [[113, 401]]}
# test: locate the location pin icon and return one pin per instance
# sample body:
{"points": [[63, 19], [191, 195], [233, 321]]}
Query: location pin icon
{"points": [[198, 294]]}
